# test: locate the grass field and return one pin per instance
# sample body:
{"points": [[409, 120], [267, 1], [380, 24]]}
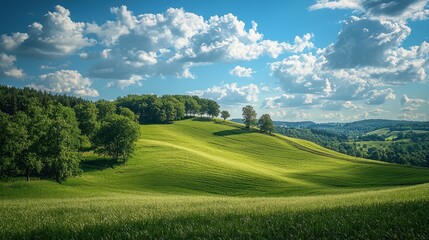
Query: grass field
{"points": [[200, 179]]}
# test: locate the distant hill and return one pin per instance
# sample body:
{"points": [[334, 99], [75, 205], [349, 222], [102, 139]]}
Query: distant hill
{"points": [[357, 127]]}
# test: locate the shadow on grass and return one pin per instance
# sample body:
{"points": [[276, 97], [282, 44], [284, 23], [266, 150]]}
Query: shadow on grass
{"points": [[231, 132], [97, 164], [202, 119]]}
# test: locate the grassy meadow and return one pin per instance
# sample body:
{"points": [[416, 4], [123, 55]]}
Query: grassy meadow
{"points": [[200, 179]]}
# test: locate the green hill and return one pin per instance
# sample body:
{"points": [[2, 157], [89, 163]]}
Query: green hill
{"points": [[184, 176], [198, 157], [202, 157]]}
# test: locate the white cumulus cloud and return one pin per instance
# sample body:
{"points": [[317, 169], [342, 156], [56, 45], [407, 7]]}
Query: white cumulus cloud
{"points": [[365, 60], [66, 81], [291, 100], [56, 35], [339, 105], [377, 97], [300, 73], [241, 71], [380, 9], [230, 94], [124, 83], [365, 42], [7, 67], [171, 43], [405, 100]]}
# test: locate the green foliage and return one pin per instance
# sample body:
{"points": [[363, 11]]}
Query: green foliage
{"points": [[86, 114], [191, 106], [266, 124], [14, 99], [225, 114], [13, 141], [173, 108], [116, 137], [204, 106], [105, 109], [213, 109], [169, 111], [61, 144], [41, 135], [126, 112], [249, 116], [29, 159], [168, 108]]}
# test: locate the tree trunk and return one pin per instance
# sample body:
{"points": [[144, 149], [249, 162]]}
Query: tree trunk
{"points": [[27, 170], [117, 156]]}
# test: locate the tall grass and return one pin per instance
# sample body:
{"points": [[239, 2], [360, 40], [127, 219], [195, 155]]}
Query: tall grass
{"points": [[400, 213]]}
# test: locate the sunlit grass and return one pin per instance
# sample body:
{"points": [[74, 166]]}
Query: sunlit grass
{"points": [[400, 213]]}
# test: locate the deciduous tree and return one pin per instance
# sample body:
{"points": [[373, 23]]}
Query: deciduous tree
{"points": [[86, 114], [213, 109], [266, 124], [61, 145], [224, 114], [116, 137], [249, 116]]}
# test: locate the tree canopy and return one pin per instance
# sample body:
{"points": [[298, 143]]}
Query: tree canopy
{"points": [[224, 114], [116, 137], [168, 108], [266, 124], [249, 116]]}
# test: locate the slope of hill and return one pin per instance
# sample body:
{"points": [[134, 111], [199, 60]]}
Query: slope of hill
{"points": [[394, 141], [204, 179]]}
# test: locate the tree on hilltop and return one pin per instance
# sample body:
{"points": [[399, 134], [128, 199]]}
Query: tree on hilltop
{"points": [[213, 109], [249, 116], [191, 106], [266, 124], [224, 114]]}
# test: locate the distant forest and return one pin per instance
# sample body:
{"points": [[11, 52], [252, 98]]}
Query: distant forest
{"points": [[44, 135], [402, 142]]}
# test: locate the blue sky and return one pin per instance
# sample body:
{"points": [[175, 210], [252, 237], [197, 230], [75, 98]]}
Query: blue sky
{"points": [[324, 60]]}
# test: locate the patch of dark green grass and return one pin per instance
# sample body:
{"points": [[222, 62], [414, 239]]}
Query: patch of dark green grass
{"points": [[404, 220], [95, 163]]}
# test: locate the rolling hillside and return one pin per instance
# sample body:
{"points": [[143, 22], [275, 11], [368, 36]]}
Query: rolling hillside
{"points": [[198, 157], [200, 179], [214, 158]]}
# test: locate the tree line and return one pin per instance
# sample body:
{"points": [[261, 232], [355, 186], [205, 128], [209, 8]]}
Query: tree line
{"points": [[168, 108], [44, 135]]}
